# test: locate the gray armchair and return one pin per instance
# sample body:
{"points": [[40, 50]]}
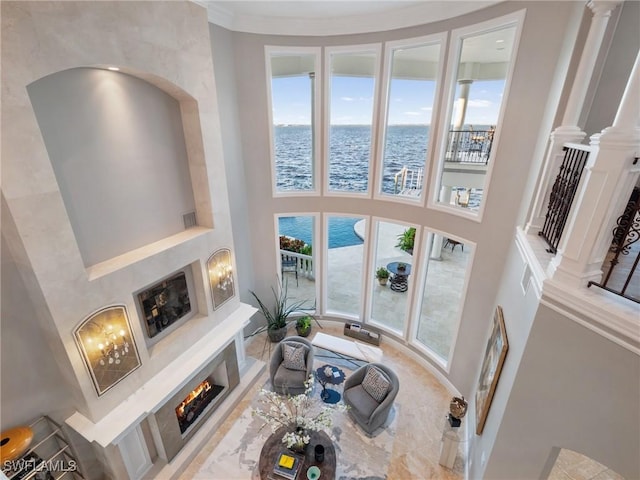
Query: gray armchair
{"points": [[290, 380], [368, 412]]}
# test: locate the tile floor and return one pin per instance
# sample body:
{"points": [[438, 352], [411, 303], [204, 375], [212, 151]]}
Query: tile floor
{"points": [[574, 466]]}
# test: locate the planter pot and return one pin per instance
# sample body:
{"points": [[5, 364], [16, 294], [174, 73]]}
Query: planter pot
{"points": [[303, 332], [276, 335], [383, 281]]}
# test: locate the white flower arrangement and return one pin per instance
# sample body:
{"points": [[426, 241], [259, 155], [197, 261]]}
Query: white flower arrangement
{"points": [[299, 414]]}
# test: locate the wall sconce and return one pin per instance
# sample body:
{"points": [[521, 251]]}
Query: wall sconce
{"points": [[220, 272], [107, 346]]}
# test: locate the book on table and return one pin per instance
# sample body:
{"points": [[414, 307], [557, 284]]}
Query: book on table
{"points": [[287, 465]]}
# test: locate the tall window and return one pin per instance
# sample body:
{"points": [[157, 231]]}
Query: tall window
{"points": [[412, 73], [483, 64], [293, 114], [296, 237], [442, 294], [393, 251], [345, 262], [352, 91]]}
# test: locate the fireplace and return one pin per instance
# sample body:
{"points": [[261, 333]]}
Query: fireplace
{"points": [[196, 403], [180, 417]]}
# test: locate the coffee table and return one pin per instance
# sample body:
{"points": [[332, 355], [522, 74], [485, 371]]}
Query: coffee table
{"points": [[273, 446]]}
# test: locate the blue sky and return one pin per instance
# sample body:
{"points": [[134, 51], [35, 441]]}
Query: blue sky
{"points": [[411, 101]]}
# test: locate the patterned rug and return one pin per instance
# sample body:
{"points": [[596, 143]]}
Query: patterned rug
{"points": [[359, 456]]}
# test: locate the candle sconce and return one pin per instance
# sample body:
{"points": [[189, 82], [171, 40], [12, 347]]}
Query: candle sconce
{"points": [[220, 272], [107, 347]]}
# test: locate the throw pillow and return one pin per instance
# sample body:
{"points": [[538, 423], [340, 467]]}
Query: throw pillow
{"points": [[293, 355], [376, 383]]}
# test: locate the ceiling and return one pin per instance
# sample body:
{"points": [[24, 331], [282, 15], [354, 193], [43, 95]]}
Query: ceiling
{"points": [[333, 17]]}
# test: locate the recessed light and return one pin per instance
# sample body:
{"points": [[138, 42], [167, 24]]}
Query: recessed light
{"points": [[499, 41], [113, 69]]}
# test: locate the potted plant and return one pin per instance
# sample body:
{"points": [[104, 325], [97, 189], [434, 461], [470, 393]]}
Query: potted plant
{"points": [[402, 266], [278, 317], [382, 274], [406, 240], [303, 325]]}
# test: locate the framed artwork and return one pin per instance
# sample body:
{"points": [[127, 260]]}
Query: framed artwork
{"points": [[494, 356], [107, 346], [220, 277]]}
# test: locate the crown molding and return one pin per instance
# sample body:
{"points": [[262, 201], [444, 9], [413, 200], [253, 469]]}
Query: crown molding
{"points": [[402, 17]]}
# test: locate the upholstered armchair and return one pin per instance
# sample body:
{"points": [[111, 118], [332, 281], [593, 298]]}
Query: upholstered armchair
{"points": [[370, 395], [290, 367]]}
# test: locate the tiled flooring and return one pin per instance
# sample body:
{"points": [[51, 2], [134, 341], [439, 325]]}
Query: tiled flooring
{"points": [[573, 466], [424, 404]]}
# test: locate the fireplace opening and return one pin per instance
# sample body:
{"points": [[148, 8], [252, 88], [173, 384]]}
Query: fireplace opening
{"points": [[196, 402]]}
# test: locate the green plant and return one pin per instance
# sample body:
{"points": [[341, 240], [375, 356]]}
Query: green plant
{"points": [[382, 272], [278, 317], [306, 249], [407, 239], [303, 323]]}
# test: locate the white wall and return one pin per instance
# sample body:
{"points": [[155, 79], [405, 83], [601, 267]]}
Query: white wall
{"points": [[519, 308], [574, 389], [116, 144], [164, 43], [222, 47]]}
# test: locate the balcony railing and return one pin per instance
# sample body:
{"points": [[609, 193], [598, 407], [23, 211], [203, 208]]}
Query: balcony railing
{"points": [[562, 193], [622, 276], [303, 263], [408, 181], [469, 146]]}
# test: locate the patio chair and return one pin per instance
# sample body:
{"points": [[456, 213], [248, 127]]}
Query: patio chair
{"points": [[288, 370], [289, 263], [370, 395]]}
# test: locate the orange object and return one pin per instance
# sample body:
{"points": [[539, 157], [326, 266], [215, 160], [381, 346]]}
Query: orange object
{"points": [[14, 442]]}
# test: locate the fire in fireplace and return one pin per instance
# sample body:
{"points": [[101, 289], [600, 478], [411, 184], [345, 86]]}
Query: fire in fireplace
{"points": [[196, 402]]}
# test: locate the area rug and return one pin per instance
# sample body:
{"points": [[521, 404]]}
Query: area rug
{"points": [[359, 457]]}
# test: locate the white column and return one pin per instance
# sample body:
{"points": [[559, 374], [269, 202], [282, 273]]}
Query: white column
{"points": [[461, 104], [611, 172], [436, 246], [569, 131]]}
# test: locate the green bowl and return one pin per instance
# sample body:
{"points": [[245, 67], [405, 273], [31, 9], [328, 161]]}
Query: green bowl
{"points": [[313, 473]]}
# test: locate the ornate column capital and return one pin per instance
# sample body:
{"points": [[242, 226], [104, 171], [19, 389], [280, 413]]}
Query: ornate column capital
{"points": [[601, 8]]}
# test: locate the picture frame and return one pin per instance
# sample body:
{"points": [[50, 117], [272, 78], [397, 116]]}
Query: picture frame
{"points": [[494, 357], [107, 346]]}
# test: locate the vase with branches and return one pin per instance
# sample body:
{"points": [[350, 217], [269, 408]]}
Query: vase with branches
{"points": [[297, 415]]}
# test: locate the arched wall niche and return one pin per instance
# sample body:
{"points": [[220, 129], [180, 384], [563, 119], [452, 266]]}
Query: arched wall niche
{"points": [[127, 151]]}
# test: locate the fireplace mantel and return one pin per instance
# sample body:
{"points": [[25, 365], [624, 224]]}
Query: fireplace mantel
{"points": [[153, 394]]}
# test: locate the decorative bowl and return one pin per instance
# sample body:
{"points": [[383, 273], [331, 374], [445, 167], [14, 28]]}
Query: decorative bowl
{"points": [[313, 473]]}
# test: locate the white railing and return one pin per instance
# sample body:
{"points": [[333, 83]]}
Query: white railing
{"points": [[407, 179], [303, 263]]}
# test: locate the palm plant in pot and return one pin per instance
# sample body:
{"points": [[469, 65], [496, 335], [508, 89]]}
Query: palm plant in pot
{"points": [[278, 316]]}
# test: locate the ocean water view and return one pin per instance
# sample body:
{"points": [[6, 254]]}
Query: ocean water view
{"points": [[349, 151], [341, 233]]}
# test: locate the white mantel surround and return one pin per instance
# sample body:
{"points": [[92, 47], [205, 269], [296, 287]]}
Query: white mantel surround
{"points": [[117, 437]]}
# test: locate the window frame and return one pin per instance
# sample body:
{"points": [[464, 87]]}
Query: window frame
{"points": [[457, 37], [425, 246], [375, 48], [389, 47], [316, 127]]}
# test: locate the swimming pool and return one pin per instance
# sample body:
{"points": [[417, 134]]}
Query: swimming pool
{"points": [[341, 232]]}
